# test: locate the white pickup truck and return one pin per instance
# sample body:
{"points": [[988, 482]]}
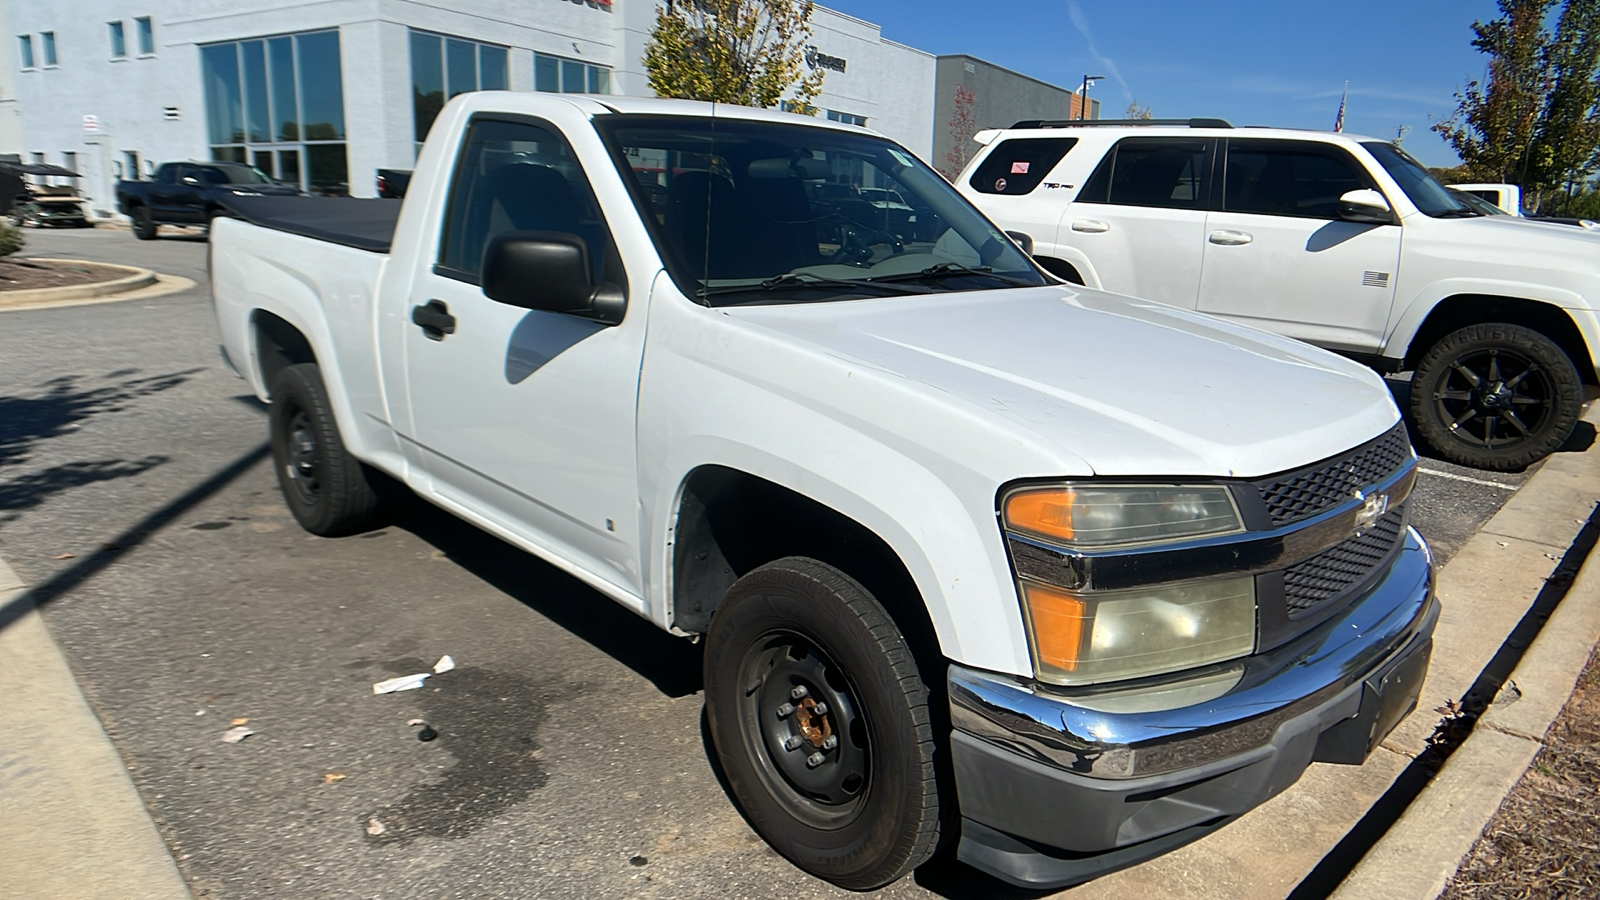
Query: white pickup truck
{"points": [[1058, 579], [1341, 241]]}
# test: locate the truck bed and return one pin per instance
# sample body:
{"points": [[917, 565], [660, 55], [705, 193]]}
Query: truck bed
{"points": [[361, 224]]}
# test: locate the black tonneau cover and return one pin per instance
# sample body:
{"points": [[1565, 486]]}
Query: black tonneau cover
{"points": [[362, 224]]}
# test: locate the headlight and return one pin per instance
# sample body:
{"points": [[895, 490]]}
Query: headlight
{"points": [[1091, 637], [1121, 516]]}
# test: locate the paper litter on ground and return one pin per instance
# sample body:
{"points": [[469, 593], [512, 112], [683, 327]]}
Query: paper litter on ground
{"points": [[236, 734], [403, 683], [444, 664]]}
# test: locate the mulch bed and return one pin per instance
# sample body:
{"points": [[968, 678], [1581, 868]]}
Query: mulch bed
{"points": [[25, 275], [1545, 840]]}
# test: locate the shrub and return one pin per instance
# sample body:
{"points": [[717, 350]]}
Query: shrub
{"points": [[11, 239]]}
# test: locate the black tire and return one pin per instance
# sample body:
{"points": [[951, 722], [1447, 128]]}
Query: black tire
{"points": [[326, 488], [1495, 396], [144, 224], [868, 812]]}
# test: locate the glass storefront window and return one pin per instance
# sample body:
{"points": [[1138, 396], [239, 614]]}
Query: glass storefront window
{"points": [[443, 67], [554, 75], [278, 102]]}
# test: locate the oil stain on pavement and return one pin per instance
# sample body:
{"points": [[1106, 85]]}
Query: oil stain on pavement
{"points": [[488, 722]]}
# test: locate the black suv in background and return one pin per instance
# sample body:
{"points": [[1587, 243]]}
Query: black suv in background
{"points": [[190, 193]]}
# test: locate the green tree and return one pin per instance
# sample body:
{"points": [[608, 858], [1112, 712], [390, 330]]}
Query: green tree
{"points": [[746, 52], [1533, 121], [1135, 111]]}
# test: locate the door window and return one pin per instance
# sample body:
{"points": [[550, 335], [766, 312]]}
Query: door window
{"points": [[1165, 172], [1277, 178], [516, 176]]}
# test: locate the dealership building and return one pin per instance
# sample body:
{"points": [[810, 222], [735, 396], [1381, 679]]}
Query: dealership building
{"points": [[323, 93]]}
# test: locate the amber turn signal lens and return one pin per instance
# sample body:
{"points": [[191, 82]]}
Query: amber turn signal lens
{"points": [[1047, 513], [1058, 625]]}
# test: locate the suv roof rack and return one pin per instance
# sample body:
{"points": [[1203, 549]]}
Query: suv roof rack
{"points": [[1074, 123]]}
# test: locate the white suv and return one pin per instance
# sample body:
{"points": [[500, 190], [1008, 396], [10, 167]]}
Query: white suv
{"points": [[1341, 241]]}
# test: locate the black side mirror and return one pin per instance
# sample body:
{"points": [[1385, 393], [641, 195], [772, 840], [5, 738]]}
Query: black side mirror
{"points": [[548, 270]]}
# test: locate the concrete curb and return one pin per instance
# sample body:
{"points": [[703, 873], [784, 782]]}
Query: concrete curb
{"points": [[1421, 852], [135, 279], [74, 825], [160, 287]]}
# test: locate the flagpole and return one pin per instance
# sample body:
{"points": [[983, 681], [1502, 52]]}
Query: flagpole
{"points": [[1338, 121]]}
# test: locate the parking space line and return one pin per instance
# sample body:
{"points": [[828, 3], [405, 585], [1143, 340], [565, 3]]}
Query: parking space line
{"points": [[1454, 477]]}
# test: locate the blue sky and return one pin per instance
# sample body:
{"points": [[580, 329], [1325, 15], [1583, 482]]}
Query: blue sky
{"points": [[1251, 62]]}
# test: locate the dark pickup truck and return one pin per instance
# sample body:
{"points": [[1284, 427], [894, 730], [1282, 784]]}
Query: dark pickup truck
{"points": [[191, 193]]}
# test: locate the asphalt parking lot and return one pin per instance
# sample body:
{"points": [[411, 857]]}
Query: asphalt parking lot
{"points": [[135, 496]]}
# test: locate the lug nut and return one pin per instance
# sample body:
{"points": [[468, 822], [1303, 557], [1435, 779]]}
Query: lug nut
{"points": [[785, 710], [820, 709], [830, 742], [799, 692], [814, 760], [792, 742]]}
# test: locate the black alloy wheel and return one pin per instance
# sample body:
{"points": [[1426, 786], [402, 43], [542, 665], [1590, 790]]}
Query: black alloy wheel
{"points": [[1496, 396], [820, 718]]}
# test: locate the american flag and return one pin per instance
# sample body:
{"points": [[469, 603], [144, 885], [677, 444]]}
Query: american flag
{"points": [[1338, 121]]}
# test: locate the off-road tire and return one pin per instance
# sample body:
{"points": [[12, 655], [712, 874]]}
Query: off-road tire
{"points": [[144, 224], [889, 824], [329, 491], [1495, 396]]}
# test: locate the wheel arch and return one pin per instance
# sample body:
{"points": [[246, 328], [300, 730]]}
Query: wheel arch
{"points": [[1461, 310], [278, 344], [1060, 268], [729, 522]]}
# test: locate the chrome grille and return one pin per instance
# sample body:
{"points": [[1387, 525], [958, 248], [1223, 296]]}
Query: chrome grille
{"points": [[1321, 578], [1297, 495]]}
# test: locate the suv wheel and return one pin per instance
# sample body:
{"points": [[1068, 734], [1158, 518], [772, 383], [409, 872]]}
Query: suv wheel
{"points": [[820, 718], [1495, 396]]}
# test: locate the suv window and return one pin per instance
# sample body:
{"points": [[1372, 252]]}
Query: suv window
{"points": [[516, 176], [1017, 166], [1280, 178], [1166, 172]]}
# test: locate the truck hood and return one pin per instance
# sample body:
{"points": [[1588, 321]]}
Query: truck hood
{"points": [[1124, 386], [265, 190], [1500, 234]]}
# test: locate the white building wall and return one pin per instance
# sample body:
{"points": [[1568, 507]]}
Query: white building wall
{"points": [[10, 120], [892, 85]]}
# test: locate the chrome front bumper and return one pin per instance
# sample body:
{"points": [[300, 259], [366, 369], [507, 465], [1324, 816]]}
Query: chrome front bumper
{"points": [[1109, 778]]}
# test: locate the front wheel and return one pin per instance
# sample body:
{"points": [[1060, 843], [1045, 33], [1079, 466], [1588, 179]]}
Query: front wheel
{"points": [[326, 488], [1495, 396], [820, 719]]}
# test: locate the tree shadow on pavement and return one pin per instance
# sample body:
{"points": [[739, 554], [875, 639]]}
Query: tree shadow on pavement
{"points": [[59, 407], [671, 663]]}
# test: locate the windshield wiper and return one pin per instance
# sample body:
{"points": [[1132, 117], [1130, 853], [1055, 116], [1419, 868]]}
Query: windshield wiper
{"points": [[793, 280], [1464, 212], [951, 270]]}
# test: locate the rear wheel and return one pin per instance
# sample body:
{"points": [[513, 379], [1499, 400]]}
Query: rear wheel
{"points": [[144, 224], [326, 488], [1495, 396], [820, 718]]}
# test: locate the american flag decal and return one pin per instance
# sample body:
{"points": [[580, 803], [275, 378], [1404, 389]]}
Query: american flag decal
{"points": [[1375, 279]]}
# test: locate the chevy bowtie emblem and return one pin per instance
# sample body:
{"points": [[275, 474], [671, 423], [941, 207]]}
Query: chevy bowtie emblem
{"points": [[1372, 508]]}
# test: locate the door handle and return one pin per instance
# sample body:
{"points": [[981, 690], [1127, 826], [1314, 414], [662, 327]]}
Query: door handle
{"points": [[435, 320], [1090, 226], [1231, 238]]}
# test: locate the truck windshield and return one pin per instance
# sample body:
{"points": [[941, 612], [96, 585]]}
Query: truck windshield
{"points": [[769, 212], [1431, 197]]}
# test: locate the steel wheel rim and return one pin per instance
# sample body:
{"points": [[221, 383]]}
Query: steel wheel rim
{"points": [[1494, 398], [300, 448], [784, 735]]}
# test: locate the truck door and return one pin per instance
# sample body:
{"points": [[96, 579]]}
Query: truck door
{"points": [[1140, 218], [523, 417], [1278, 257]]}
